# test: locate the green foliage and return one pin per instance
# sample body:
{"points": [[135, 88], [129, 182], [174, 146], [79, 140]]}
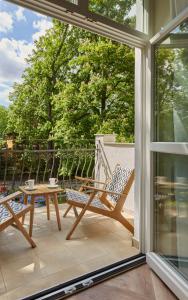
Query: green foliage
{"points": [[99, 94], [3, 121], [76, 84], [116, 10], [171, 94]]}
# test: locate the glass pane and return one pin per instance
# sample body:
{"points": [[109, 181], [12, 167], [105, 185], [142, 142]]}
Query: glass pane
{"points": [[171, 209], [171, 87], [123, 12], [165, 11]]}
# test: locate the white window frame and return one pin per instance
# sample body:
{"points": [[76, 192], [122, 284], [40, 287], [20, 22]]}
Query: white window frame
{"points": [[171, 277]]}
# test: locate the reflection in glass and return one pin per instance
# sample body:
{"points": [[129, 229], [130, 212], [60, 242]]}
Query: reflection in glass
{"points": [[171, 209], [123, 12], [171, 87]]}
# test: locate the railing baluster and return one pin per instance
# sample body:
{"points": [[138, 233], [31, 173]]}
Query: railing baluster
{"points": [[53, 163], [22, 169], [30, 169], [71, 169], [14, 170], [83, 168], [89, 166], [44, 174], [38, 168], [6, 165]]}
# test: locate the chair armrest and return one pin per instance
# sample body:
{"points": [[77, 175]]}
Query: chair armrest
{"points": [[101, 190], [89, 180], [10, 197]]}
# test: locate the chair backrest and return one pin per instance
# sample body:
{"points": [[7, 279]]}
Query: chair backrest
{"points": [[119, 180]]}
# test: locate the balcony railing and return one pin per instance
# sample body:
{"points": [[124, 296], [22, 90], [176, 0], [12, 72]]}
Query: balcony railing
{"points": [[17, 166]]}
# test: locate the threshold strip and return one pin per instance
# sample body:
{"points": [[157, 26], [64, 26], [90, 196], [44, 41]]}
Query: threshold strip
{"points": [[81, 283]]}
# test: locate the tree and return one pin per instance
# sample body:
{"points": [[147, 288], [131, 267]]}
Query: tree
{"points": [[3, 121], [31, 113], [76, 84], [99, 94]]}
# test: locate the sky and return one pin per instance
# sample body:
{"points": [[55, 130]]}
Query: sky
{"points": [[19, 28]]}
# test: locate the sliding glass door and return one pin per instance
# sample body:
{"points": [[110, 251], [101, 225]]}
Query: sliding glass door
{"points": [[169, 149]]}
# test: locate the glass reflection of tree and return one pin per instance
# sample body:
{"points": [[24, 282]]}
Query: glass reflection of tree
{"points": [[117, 10], [172, 94], [164, 94]]}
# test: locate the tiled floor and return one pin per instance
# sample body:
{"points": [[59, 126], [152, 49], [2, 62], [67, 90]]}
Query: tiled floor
{"points": [[98, 241], [137, 284]]}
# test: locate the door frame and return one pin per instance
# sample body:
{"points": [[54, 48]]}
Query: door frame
{"points": [[172, 278], [143, 109]]}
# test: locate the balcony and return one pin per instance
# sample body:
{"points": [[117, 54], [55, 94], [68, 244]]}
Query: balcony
{"points": [[97, 242]]}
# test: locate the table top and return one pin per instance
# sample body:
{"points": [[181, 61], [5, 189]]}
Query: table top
{"points": [[41, 189]]}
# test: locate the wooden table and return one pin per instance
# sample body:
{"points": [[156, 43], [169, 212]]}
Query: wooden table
{"points": [[43, 190]]}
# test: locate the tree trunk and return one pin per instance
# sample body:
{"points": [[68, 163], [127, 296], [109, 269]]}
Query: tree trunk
{"points": [[103, 103]]}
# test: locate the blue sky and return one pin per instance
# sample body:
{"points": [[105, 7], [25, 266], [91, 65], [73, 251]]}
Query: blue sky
{"points": [[19, 28]]}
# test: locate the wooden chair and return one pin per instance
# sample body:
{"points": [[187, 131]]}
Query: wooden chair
{"points": [[10, 213], [107, 201]]}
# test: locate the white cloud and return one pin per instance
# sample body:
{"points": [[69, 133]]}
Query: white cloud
{"points": [[6, 21], [12, 58], [5, 89], [20, 14], [12, 61], [42, 25], [13, 53]]}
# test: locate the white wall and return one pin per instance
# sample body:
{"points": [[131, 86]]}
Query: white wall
{"points": [[118, 153]]}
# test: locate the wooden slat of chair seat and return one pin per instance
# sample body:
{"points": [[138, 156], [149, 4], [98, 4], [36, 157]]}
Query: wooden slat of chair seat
{"points": [[14, 216]]}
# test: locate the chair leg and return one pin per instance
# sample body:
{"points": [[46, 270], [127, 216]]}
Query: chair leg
{"points": [[68, 209], [20, 227], [31, 222], [48, 206], [57, 211], [125, 223], [32, 216], [75, 211], [25, 203], [80, 216], [75, 224], [25, 234]]}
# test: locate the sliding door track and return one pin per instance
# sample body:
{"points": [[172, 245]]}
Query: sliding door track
{"points": [[81, 283]]}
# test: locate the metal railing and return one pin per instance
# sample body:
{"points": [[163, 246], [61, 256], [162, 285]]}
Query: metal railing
{"points": [[17, 166]]}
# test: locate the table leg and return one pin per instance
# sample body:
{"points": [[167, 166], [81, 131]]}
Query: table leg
{"points": [[75, 211], [32, 215], [48, 206], [25, 203], [57, 210]]}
